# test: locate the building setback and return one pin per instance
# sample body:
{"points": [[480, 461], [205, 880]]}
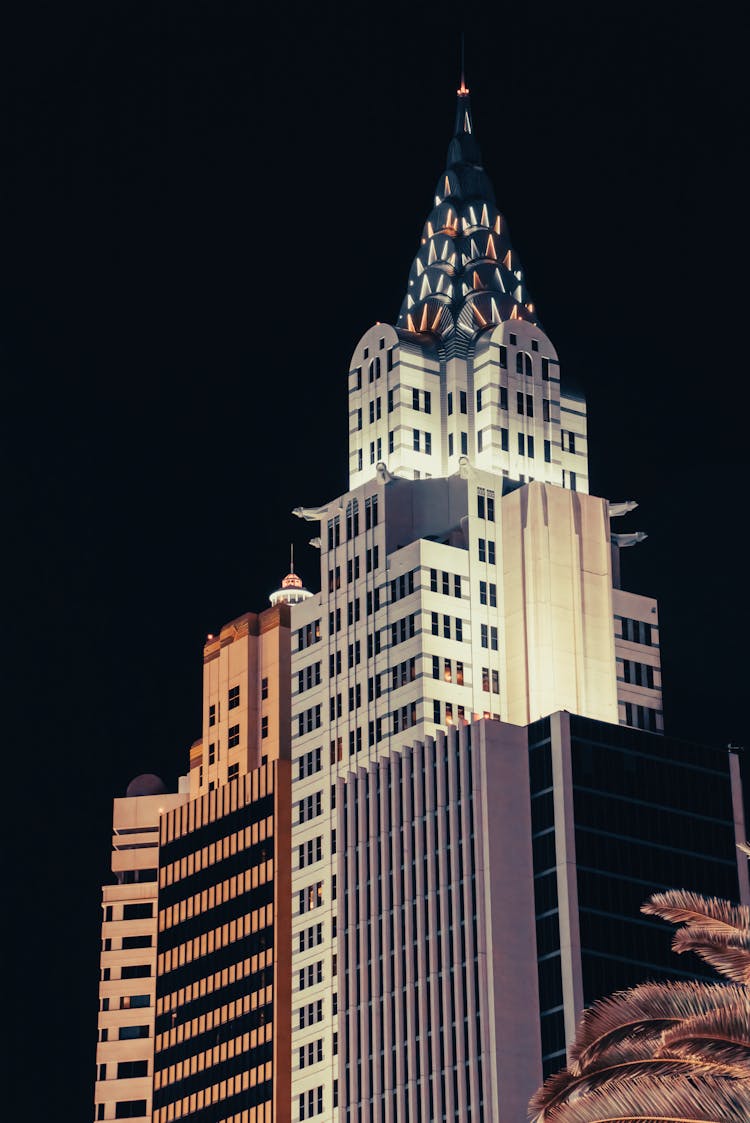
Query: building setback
{"points": [[429, 799]]}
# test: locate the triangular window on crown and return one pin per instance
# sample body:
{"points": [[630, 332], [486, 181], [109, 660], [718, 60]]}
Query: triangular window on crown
{"points": [[467, 123], [485, 216], [447, 186]]}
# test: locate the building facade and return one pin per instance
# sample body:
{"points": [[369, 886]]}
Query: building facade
{"points": [[194, 1018], [428, 799]]}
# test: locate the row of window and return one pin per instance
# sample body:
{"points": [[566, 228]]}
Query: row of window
{"points": [[452, 627], [640, 674], [447, 672], [642, 717], [310, 851], [140, 911], [310, 807], [311, 897], [636, 631], [308, 677], [128, 1001], [311, 1103], [310, 1054], [311, 975], [445, 583], [308, 764]]}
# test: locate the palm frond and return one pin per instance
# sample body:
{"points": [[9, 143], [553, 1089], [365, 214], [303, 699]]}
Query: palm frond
{"points": [[728, 953], [676, 1099], [722, 1036], [680, 907], [645, 1010], [565, 1087]]}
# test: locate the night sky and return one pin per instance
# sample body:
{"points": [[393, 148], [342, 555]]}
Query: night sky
{"points": [[200, 218]]}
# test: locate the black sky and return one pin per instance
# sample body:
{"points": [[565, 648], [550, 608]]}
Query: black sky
{"points": [[203, 210]]}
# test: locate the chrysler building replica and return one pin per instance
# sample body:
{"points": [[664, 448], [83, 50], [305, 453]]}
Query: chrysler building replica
{"points": [[429, 799]]}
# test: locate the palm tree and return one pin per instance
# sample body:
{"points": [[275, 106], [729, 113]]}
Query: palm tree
{"points": [[675, 1052]]}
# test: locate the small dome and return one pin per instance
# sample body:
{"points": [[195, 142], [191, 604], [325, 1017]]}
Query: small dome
{"points": [[147, 784], [291, 581]]}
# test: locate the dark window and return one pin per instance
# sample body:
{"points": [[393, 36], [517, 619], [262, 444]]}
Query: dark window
{"points": [[130, 1109], [462, 400], [126, 1069], [137, 942], [234, 736], [136, 971], [264, 726], [234, 697], [137, 912]]}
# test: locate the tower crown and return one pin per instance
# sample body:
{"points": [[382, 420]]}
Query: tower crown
{"points": [[466, 276]]}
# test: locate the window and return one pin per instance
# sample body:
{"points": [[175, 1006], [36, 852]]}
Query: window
{"points": [[504, 440], [436, 711], [390, 442], [459, 630], [427, 402], [450, 404], [390, 399], [212, 752], [503, 397], [530, 447], [130, 1109], [447, 627], [479, 401], [435, 624], [129, 1033], [482, 544], [545, 370], [212, 715], [521, 445], [547, 452], [519, 402], [435, 666], [456, 585], [136, 971], [568, 440], [137, 912], [416, 439], [234, 697], [545, 409], [486, 679], [142, 941], [446, 584], [480, 440], [433, 581], [234, 736], [483, 631], [428, 443], [503, 356], [462, 400], [495, 682], [493, 639], [264, 689], [127, 1069], [450, 444], [415, 399]]}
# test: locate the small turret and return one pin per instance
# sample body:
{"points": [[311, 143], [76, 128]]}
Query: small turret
{"points": [[292, 590]]}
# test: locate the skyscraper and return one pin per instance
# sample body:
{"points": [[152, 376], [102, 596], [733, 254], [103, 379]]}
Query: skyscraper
{"points": [[416, 824]]}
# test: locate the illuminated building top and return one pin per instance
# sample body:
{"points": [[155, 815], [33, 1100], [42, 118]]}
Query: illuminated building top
{"points": [[466, 276]]}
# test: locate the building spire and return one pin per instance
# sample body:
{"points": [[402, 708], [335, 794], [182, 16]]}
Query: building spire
{"points": [[462, 89]]}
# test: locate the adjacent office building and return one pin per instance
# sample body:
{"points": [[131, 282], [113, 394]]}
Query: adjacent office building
{"points": [[429, 799]]}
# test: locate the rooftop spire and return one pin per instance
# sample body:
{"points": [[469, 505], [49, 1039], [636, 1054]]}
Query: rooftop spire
{"points": [[466, 275], [463, 88]]}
